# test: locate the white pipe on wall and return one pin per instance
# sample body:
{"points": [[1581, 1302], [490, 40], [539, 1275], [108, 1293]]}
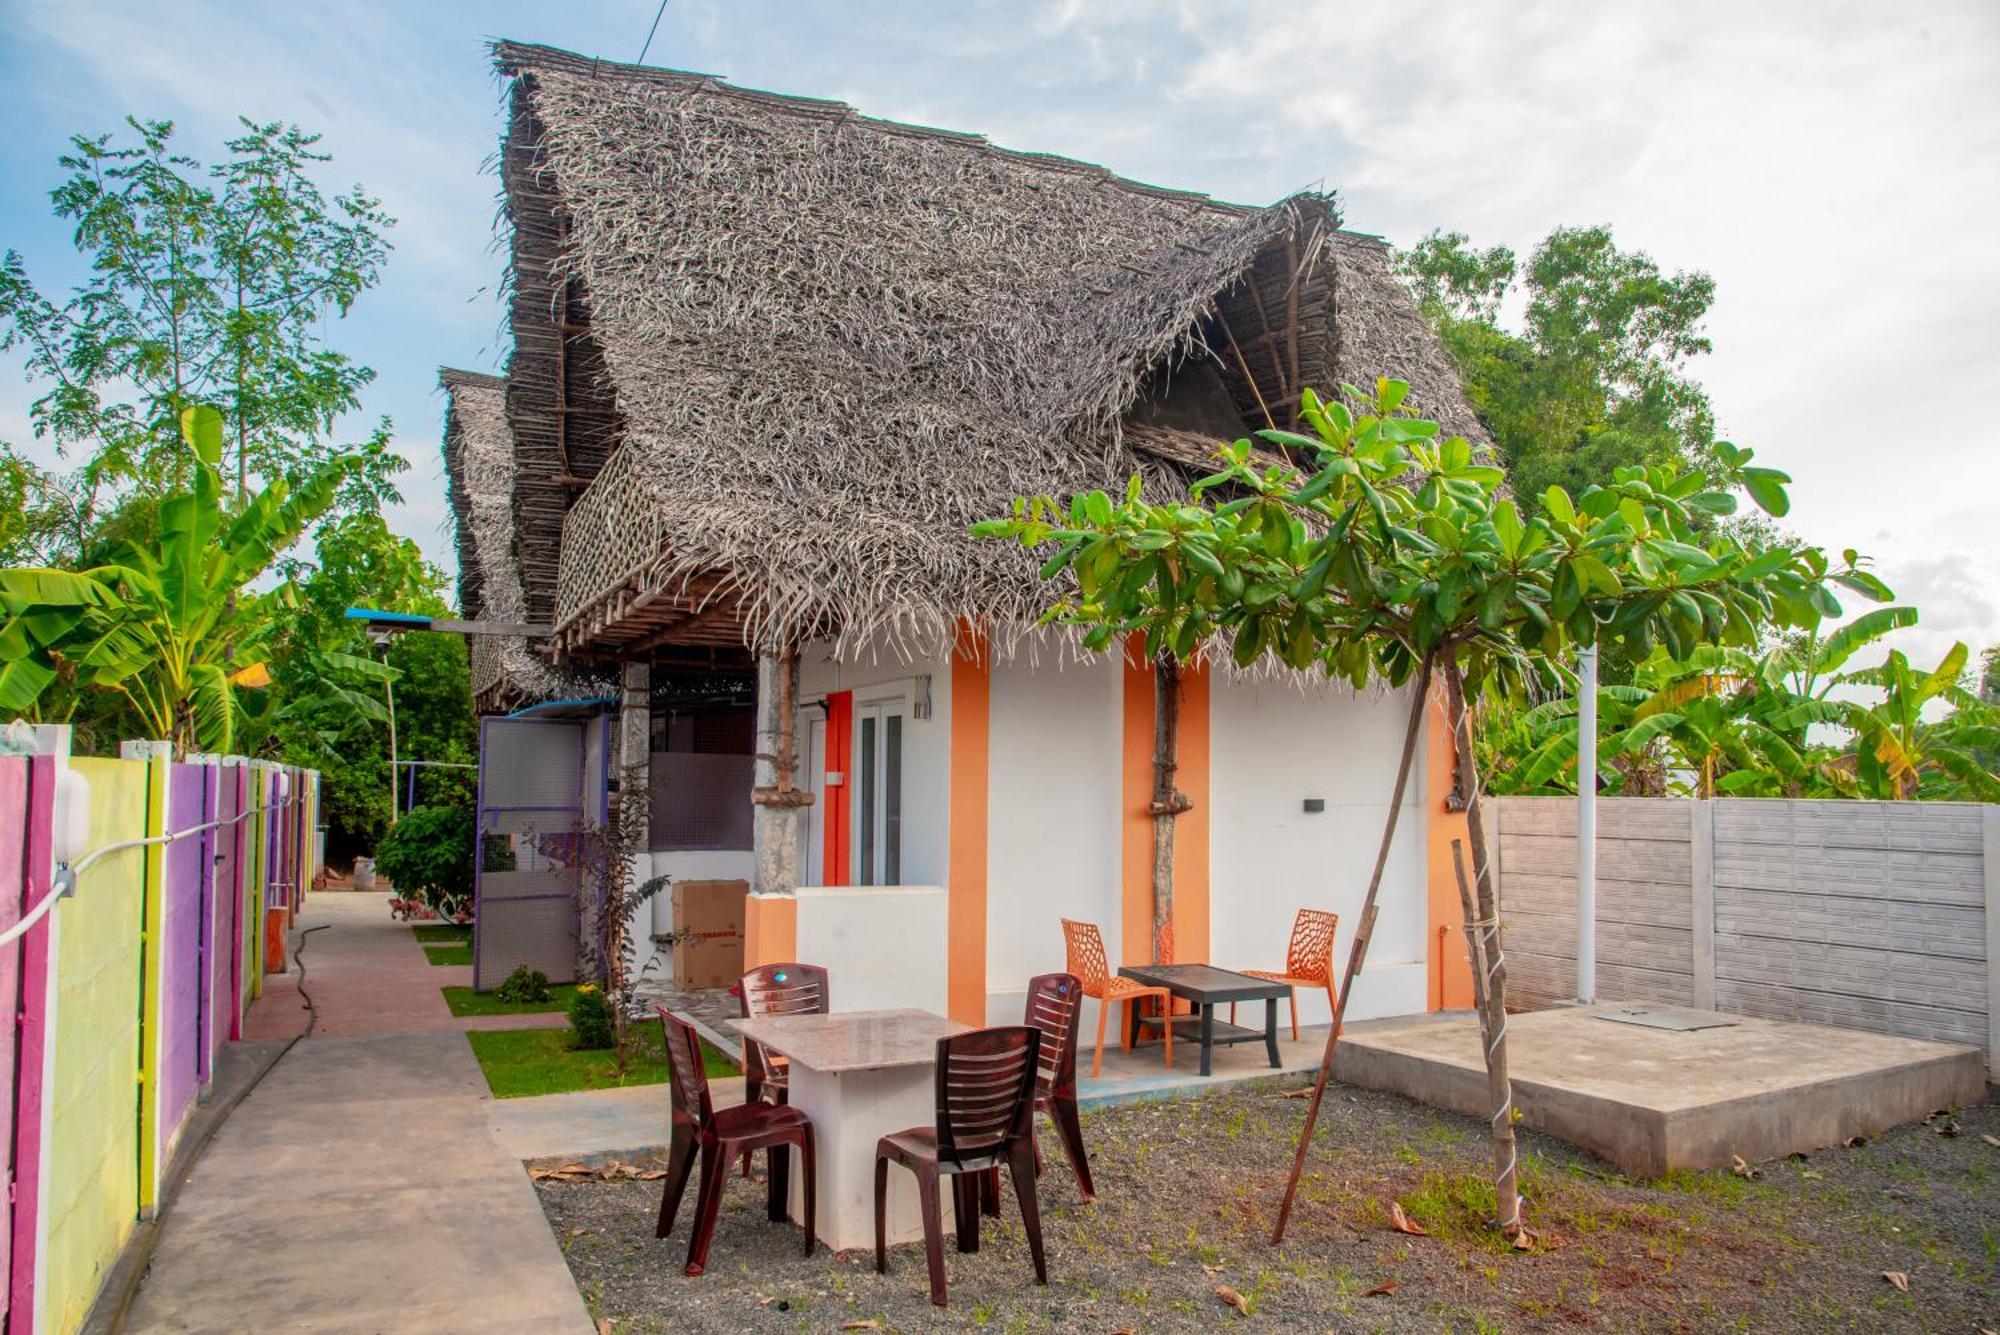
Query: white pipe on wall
{"points": [[1586, 825]]}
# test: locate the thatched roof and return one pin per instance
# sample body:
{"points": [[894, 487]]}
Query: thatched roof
{"points": [[479, 480], [806, 349]]}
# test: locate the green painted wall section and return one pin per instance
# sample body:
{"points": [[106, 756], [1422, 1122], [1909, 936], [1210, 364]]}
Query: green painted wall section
{"points": [[93, 1154]]}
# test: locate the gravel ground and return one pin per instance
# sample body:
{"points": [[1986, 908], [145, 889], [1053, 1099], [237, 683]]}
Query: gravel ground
{"points": [[1187, 1191]]}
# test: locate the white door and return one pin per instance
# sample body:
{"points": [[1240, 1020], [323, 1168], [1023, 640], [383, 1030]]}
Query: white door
{"points": [[814, 779], [877, 798]]}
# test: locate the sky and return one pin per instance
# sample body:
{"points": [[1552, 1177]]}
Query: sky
{"points": [[1835, 167]]}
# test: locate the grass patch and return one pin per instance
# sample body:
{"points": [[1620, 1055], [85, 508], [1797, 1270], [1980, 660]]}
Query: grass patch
{"points": [[443, 934], [521, 1062], [449, 954], [465, 1001]]}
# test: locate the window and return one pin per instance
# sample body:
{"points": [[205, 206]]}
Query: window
{"points": [[878, 793]]}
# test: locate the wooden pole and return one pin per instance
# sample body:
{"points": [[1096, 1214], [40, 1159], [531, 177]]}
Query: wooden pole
{"points": [[1168, 801], [1358, 952], [1490, 963]]}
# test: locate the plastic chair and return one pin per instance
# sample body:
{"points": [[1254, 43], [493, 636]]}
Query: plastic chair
{"points": [[985, 1118], [1085, 950], [775, 989], [1055, 1006], [720, 1137], [1308, 961]]}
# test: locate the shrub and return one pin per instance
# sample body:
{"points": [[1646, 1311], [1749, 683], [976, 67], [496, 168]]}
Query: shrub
{"points": [[428, 856], [524, 986], [590, 1019]]}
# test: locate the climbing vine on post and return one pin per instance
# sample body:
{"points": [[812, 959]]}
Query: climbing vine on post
{"points": [[1373, 550]]}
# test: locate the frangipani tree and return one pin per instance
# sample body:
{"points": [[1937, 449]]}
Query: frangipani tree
{"points": [[1371, 549], [172, 626]]}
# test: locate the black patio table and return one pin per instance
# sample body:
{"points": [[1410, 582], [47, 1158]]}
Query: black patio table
{"points": [[1205, 988]]}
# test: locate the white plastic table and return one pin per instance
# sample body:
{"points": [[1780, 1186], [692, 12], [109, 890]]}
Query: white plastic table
{"points": [[859, 1076]]}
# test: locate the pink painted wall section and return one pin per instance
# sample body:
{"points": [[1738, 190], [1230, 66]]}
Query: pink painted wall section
{"points": [[31, 1029], [13, 888]]}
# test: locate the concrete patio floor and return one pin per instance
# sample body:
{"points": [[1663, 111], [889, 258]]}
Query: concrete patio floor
{"points": [[1142, 1073], [1653, 1100], [361, 1187]]}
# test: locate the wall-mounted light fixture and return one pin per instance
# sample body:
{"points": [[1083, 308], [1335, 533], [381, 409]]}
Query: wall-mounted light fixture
{"points": [[920, 702], [1314, 805]]}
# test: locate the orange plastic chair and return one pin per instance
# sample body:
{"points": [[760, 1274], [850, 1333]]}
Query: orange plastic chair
{"points": [[1085, 948], [1308, 961]]}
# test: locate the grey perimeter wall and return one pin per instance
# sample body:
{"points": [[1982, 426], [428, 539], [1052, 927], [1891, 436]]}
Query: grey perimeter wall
{"points": [[1868, 915]]}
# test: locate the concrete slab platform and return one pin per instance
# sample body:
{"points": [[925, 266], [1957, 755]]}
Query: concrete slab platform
{"points": [[1654, 1100], [1142, 1073], [593, 1121]]}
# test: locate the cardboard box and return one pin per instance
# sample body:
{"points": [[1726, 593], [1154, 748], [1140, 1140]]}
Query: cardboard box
{"points": [[708, 932]]}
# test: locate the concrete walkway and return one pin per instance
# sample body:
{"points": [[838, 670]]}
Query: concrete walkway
{"points": [[361, 1186]]}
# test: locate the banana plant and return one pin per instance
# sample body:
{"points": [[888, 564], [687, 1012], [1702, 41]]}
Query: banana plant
{"points": [[171, 626], [1899, 754]]}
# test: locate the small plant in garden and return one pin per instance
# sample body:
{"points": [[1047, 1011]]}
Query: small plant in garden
{"points": [[427, 856], [524, 986], [591, 1019], [607, 897]]}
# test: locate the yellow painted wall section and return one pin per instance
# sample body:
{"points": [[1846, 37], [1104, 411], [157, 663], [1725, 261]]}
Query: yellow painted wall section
{"points": [[1450, 976], [971, 755], [154, 911], [92, 1168]]}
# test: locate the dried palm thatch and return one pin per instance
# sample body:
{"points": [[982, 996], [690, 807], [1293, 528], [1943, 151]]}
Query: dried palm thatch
{"points": [[793, 352], [479, 473]]}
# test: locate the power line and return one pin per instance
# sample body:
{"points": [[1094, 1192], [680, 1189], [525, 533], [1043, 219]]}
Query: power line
{"points": [[649, 33]]}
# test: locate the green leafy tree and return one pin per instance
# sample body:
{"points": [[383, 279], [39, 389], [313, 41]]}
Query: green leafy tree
{"points": [[208, 285], [1371, 549], [331, 691], [1594, 377], [170, 626], [428, 857], [1900, 754]]}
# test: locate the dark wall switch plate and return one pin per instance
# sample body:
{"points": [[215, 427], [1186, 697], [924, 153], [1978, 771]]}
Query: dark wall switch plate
{"points": [[1315, 804]]}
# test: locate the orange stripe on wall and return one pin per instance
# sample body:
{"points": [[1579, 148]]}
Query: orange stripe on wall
{"points": [[1449, 982], [770, 930], [971, 706], [1191, 830]]}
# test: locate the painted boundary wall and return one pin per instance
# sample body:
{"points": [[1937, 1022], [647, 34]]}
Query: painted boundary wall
{"points": [[1882, 916], [126, 989]]}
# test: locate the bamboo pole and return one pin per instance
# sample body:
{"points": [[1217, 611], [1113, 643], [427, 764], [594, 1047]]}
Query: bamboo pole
{"points": [[1490, 963], [1358, 952]]}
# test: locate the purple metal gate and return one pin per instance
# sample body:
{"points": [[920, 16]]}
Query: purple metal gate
{"points": [[530, 812]]}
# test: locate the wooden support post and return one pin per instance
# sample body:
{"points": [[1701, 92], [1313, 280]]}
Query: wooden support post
{"points": [[1168, 801], [635, 758]]}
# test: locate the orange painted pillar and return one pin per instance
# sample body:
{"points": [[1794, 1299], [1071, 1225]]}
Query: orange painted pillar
{"points": [[971, 748], [770, 930], [1450, 973], [1191, 830]]}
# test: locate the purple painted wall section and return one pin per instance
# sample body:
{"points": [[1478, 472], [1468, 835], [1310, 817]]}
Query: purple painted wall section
{"points": [[32, 1028], [13, 886], [180, 953]]}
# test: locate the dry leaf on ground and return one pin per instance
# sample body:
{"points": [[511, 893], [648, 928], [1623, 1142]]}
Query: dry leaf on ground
{"points": [[1743, 1169], [870, 1324], [604, 1325], [1994, 1141], [1384, 1289], [1899, 1279], [1298, 1093], [1402, 1223], [1233, 1298]]}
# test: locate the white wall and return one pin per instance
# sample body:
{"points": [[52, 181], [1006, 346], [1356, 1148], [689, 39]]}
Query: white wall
{"points": [[1271, 747], [926, 747], [1053, 823], [883, 947]]}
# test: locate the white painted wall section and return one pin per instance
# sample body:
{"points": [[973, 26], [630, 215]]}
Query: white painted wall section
{"points": [[1271, 747], [1054, 789], [883, 947]]}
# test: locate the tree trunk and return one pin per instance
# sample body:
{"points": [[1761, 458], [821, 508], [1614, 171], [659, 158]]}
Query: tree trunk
{"points": [[1168, 802], [1365, 929], [1489, 963]]}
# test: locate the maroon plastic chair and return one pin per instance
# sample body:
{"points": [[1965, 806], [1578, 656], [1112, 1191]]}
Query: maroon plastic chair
{"points": [[985, 1118], [721, 1136], [1055, 1006], [775, 989]]}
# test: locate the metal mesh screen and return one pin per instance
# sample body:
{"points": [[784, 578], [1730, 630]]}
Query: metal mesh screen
{"points": [[530, 807], [700, 801]]}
